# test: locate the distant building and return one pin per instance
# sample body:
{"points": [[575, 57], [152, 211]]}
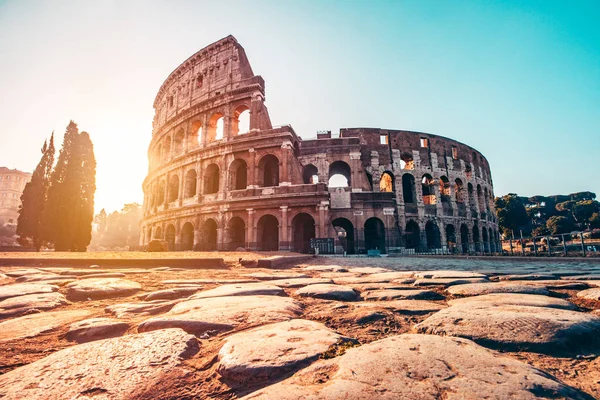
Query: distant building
{"points": [[12, 183]]}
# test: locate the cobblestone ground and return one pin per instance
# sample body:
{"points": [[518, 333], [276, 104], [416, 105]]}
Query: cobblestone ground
{"points": [[327, 327]]}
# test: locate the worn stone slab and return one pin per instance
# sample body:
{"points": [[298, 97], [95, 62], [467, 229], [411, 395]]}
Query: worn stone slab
{"points": [[393, 275], [409, 294], [266, 276], [106, 275], [365, 287], [579, 277], [21, 289], [101, 288], [556, 284], [20, 305], [45, 278], [242, 289], [328, 292], [128, 310], [206, 281], [15, 273], [298, 282], [443, 274], [420, 367], [171, 294], [475, 289], [409, 307], [367, 270], [448, 281], [513, 299], [217, 314], [357, 280], [539, 329], [271, 351], [325, 268], [590, 294], [527, 277], [127, 367], [92, 329], [32, 325]]}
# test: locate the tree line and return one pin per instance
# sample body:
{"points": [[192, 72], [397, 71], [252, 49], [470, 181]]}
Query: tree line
{"points": [[119, 230], [547, 215], [57, 205]]}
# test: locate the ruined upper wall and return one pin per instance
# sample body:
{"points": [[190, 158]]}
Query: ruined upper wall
{"points": [[214, 76]]}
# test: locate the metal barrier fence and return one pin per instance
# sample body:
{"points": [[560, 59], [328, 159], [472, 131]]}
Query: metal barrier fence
{"points": [[574, 244]]}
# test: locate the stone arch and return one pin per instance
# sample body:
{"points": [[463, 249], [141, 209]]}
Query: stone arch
{"points": [[170, 237], [459, 191], [345, 234], [339, 174], [310, 174], [427, 186], [236, 233], [412, 235], [240, 121], [268, 233], [451, 237], [375, 234], [303, 229], [167, 149], [471, 196], [191, 180], [215, 127], [195, 135], [161, 192], [464, 238], [178, 140], [386, 183], [211, 179], [409, 194], [268, 167], [432, 233], [407, 161], [158, 233], [187, 237], [476, 240], [173, 188], [444, 189], [208, 235], [238, 174]]}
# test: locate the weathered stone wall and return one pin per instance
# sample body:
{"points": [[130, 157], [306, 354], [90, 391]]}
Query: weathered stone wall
{"points": [[215, 186]]}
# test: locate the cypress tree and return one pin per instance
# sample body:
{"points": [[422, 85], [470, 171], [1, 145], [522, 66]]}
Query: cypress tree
{"points": [[69, 210], [33, 199]]}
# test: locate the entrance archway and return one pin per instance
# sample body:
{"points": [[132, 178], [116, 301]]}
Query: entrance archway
{"points": [[209, 235], [170, 237], [268, 233], [464, 238], [375, 235], [303, 227], [236, 233], [345, 233], [187, 237], [476, 239], [451, 237], [412, 235], [432, 232]]}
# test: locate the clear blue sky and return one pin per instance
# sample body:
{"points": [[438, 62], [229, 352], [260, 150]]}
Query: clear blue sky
{"points": [[518, 80]]}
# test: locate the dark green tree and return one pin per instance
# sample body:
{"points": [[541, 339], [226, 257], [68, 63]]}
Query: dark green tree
{"points": [[511, 213], [582, 211], [69, 211], [33, 199], [559, 224]]}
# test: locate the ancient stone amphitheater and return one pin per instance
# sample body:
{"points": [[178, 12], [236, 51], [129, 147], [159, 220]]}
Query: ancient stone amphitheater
{"points": [[222, 177]]}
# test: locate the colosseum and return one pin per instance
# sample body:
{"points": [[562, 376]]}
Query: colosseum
{"points": [[222, 177]]}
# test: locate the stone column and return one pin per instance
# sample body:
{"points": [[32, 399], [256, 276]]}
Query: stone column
{"points": [[252, 170], [284, 243], [286, 148], [166, 203], [355, 171], [220, 232], [255, 109], [204, 138], [251, 231], [321, 231], [181, 186], [227, 133]]}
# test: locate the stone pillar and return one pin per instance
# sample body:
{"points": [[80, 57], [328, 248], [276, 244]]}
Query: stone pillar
{"points": [[443, 238], [252, 170], [204, 138], [355, 172], [286, 148], [220, 232], [166, 203], [376, 176], [227, 133], [284, 243], [251, 231], [197, 237], [255, 109], [321, 230], [181, 185], [438, 199], [198, 179]]}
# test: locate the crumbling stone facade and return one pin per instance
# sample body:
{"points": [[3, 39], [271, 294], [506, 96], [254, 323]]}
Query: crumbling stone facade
{"points": [[215, 184], [12, 184]]}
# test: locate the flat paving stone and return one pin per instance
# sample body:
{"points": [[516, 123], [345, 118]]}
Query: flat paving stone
{"points": [[325, 268], [206, 281], [356, 280], [475, 289], [128, 310], [365, 287], [21, 289], [106, 275], [92, 329], [420, 367], [367, 270], [14, 273], [443, 274], [328, 292], [218, 314], [538, 329], [582, 277], [409, 294], [409, 307], [271, 351], [513, 299], [35, 324], [590, 294], [448, 281], [127, 367], [298, 282], [527, 277], [392, 275], [171, 294], [266, 276], [20, 305], [242, 289], [101, 288]]}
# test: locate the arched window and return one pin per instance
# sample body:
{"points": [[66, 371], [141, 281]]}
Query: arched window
{"points": [[238, 174], [480, 199], [215, 127], [161, 192], [167, 149], [268, 233], [236, 233], [427, 186], [195, 135], [444, 189], [406, 161], [345, 234], [174, 188], [178, 142], [268, 167], [240, 122], [158, 233], [310, 174], [190, 183], [408, 188], [339, 174], [211, 179], [386, 183], [459, 191]]}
